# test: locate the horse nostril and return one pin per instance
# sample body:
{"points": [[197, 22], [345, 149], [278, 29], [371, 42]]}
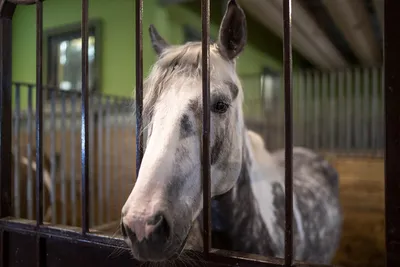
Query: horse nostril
{"points": [[127, 232], [155, 220], [161, 229], [123, 230]]}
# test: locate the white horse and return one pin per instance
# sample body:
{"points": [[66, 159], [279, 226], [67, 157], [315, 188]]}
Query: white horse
{"points": [[247, 182]]}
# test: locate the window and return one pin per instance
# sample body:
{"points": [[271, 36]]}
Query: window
{"points": [[64, 53]]}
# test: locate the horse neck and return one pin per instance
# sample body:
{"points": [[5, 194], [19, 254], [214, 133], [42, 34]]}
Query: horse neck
{"points": [[240, 214]]}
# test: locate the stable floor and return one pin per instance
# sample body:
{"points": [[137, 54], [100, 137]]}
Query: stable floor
{"points": [[362, 196]]}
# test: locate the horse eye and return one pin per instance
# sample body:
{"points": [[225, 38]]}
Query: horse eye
{"points": [[220, 107]]}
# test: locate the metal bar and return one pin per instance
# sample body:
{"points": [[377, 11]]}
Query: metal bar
{"points": [[30, 203], [316, 88], [324, 102], [205, 50], [382, 112], [100, 163], [342, 112], [115, 158], [349, 113], [374, 110], [6, 13], [4, 248], [92, 160], [63, 163], [108, 172], [392, 132], [296, 91], [17, 191], [332, 116], [40, 242], [357, 109], [309, 108], [287, 56], [84, 121], [74, 243], [302, 107], [119, 158], [139, 82], [53, 156], [366, 119], [73, 156], [39, 114]]}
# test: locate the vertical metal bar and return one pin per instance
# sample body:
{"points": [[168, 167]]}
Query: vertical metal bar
{"points": [[6, 13], [92, 124], [324, 102], [4, 248], [301, 104], [366, 119], [108, 152], [309, 107], [392, 132], [73, 156], [84, 121], [139, 82], [39, 113], [40, 242], [17, 191], [381, 112], [29, 193], [332, 115], [91, 163], [115, 164], [316, 88], [287, 55], [374, 115], [349, 113], [357, 109], [53, 130], [120, 147], [62, 163], [205, 48], [296, 101], [342, 113], [100, 155]]}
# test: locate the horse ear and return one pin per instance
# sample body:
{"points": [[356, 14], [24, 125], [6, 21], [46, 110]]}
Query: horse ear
{"points": [[233, 31], [158, 43]]}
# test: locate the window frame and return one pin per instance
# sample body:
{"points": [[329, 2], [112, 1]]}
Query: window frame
{"points": [[68, 32]]}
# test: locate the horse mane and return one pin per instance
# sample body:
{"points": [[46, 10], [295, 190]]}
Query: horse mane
{"points": [[260, 152]]}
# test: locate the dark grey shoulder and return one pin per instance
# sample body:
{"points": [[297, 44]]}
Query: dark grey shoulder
{"points": [[317, 203], [308, 161]]}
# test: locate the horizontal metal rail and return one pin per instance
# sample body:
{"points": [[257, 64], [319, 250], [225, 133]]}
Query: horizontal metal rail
{"points": [[73, 236]]}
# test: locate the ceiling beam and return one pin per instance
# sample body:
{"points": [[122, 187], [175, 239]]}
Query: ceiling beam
{"points": [[352, 19], [307, 37]]}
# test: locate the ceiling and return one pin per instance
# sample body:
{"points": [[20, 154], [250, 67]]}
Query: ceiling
{"points": [[331, 34]]}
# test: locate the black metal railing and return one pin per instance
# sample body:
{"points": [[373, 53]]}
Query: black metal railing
{"points": [[54, 246]]}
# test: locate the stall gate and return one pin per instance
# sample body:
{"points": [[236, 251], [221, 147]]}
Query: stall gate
{"points": [[27, 242], [111, 129], [340, 111]]}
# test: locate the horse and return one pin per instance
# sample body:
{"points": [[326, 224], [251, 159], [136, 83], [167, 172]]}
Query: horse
{"points": [[25, 166], [161, 218], [49, 191]]}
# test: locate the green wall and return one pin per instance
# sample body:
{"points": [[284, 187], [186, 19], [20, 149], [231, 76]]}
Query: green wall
{"points": [[117, 74]]}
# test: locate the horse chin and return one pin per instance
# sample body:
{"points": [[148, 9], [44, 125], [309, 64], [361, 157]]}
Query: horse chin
{"points": [[171, 254]]}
